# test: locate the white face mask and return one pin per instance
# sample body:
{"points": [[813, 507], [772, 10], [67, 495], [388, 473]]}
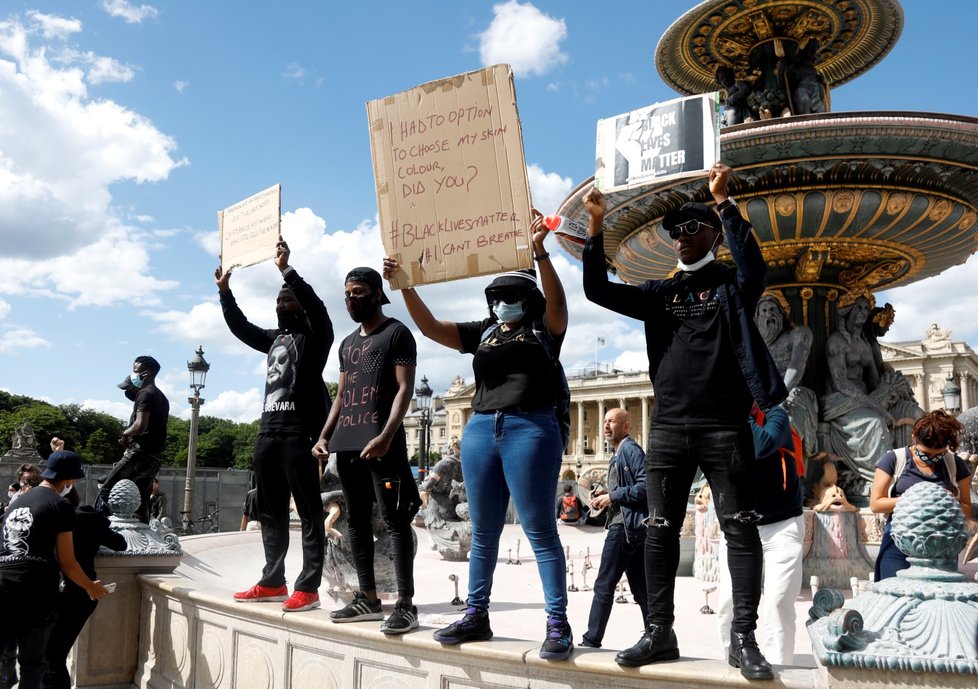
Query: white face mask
{"points": [[10, 494], [66, 489], [693, 267]]}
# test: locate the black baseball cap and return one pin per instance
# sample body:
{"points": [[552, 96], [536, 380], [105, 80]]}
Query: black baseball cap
{"points": [[692, 211], [368, 276]]}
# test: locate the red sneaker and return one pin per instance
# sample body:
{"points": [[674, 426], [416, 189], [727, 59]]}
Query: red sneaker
{"points": [[261, 594], [301, 600]]}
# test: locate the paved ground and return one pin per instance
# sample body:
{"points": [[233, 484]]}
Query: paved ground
{"points": [[517, 601]]}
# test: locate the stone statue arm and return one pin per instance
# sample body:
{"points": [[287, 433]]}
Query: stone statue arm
{"points": [[801, 339], [836, 357], [879, 500]]}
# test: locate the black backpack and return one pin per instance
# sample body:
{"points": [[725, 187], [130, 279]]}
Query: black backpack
{"points": [[562, 403]]}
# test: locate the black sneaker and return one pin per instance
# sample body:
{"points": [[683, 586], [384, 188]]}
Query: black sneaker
{"points": [[559, 642], [402, 620], [359, 610], [473, 627]]}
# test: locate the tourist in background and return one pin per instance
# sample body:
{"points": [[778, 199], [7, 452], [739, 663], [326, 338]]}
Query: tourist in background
{"points": [[930, 457], [513, 441]]}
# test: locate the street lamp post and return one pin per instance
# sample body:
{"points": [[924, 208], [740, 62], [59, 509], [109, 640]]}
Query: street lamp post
{"points": [[423, 395], [951, 394], [198, 369]]}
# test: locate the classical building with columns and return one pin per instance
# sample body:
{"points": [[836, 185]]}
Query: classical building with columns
{"points": [[926, 363]]}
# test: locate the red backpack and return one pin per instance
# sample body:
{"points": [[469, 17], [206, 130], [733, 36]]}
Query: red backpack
{"points": [[569, 510]]}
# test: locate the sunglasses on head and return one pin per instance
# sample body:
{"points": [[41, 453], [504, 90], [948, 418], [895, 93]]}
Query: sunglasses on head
{"points": [[690, 227], [507, 296]]}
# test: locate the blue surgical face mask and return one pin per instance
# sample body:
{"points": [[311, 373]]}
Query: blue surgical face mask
{"points": [[136, 379], [508, 313]]}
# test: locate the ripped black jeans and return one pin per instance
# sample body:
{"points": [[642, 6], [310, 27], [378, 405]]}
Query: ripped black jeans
{"points": [[726, 456]]}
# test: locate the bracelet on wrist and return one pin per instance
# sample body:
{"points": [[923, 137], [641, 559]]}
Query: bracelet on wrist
{"points": [[538, 258]]}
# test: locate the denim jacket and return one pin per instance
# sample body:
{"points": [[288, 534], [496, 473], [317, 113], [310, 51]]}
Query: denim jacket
{"points": [[628, 465], [739, 293]]}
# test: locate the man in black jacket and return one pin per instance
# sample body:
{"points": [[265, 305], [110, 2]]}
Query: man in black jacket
{"points": [[626, 508], [707, 363], [296, 402]]}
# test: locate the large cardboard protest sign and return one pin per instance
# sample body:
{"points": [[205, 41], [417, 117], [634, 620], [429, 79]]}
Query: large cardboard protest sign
{"points": [[250, 229], [452, 192], [672, 140]]}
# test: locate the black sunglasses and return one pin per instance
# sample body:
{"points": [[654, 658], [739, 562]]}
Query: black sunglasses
{"points": [[507, 296], [690, 227]]}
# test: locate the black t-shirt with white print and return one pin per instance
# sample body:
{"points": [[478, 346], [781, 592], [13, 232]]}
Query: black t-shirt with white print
{"points": [[699, 380], [29, 535], [370, 382]]}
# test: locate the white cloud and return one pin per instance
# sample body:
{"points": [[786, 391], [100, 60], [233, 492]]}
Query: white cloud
{"points": [[181, 86], [4, 309], [53, 26], [132, 14], [524, 37], [242, 407], [949, 299], [295, 71], [100, 69], [548, 189], [120, 410], [20, 338], [60, 151]]}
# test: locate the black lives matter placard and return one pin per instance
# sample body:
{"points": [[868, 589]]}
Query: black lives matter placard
{"points": [[672, 140], [452, 192]]}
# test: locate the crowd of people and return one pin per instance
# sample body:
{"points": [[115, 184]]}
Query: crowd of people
{"points": [[717, 409]]}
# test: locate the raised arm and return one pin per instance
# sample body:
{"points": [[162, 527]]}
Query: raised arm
{"points": [[553, 290], [310, 302], [744, 249], [443, 332], [240, 327], [628, 300]]}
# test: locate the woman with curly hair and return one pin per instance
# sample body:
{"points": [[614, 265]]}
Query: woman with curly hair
{"points": [[929, 457]]}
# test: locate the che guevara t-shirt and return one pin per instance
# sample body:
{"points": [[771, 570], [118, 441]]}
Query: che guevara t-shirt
{"points": [[368, 362]]}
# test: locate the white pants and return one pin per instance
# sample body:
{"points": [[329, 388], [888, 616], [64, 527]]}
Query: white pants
{"points": [[782, 543]]}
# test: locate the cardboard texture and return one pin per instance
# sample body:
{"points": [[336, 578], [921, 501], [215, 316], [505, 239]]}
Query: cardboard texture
{"points": [[672, 140], [250, 229], [452, 191]]}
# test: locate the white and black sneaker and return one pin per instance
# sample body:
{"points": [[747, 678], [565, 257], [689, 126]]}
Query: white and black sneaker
{"points": [[402, 620], [359, 610]]}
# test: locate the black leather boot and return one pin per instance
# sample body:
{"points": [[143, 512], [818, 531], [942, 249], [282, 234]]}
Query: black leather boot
{"points": [[745, 654], [657, 643]]}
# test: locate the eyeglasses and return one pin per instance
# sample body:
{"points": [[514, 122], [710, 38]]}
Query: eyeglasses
{"points": [[690, 227], [507, 296]]}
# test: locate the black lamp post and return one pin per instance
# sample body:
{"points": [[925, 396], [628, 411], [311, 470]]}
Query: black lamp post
{"points": [[423, 395], [198, 369], [951, 394]]}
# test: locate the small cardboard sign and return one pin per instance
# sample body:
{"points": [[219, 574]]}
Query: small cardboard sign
{"points": [[250, 229], [672, 140], [452, 189]]}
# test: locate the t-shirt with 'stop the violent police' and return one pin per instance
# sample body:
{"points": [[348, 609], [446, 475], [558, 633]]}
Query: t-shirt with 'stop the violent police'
{"points": [[699, 380], [370, 383], [31, 527], [150, 400], [513, 370]]}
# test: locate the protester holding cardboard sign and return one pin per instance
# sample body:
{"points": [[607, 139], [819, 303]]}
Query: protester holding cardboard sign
{"points": [[513, 443]]}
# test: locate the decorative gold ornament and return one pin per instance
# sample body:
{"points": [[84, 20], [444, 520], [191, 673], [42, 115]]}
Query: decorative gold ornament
{"points": [[785, 204], [779, 297], [897, 202], [809, 267], [842, 201]]}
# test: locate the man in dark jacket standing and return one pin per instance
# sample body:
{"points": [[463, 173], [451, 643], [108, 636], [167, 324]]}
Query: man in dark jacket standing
{"points": [[707, 363], [626, 508], [296, 402]]}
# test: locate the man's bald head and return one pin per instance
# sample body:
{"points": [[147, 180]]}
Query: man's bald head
{"points": [[617, 424]]}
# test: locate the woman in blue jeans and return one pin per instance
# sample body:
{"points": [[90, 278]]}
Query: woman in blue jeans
{"points": [[512, 444]]}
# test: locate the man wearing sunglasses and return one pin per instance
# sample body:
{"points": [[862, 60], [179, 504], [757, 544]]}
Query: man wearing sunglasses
{"points": [[707, 362]]}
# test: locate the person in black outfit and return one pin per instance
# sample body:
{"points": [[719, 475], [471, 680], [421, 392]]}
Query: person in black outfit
{"points": [[37, 543], [290, 421], [145, 436], [365, 429], [74, 605], [626, 508], [707, 363]]}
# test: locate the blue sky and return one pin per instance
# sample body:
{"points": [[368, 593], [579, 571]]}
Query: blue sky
{"points": [[125, 127]]}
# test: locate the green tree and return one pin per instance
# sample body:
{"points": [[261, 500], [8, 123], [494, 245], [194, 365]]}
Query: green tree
{"points": [[100, 448]]}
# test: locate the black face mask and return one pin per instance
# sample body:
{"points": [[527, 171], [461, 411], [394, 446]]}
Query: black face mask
{"points": [[362, 309], [293, 321]]}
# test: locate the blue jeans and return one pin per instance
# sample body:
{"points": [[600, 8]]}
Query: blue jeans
{"points": [[889, 559], [619, 556], [513, 454], [726, 456]]}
